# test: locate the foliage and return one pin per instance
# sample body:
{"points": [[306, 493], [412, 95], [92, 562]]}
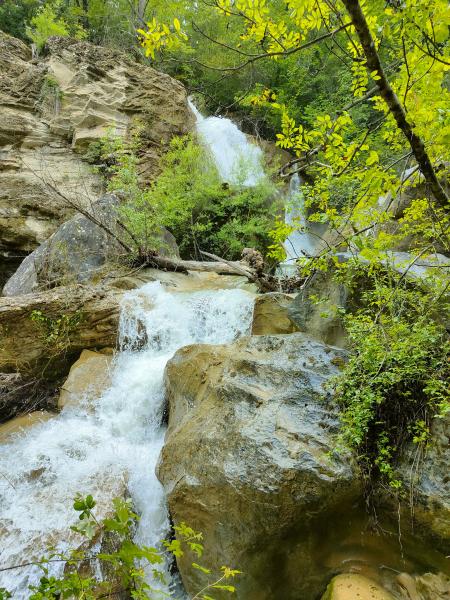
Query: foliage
{"points": [[157, 36], [189, 199], [56, 332], [46, 23], [125, 566], [15, 15], [396, 381]]}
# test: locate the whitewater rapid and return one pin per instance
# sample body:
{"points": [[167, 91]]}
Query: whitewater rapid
{"points": [[110, 447]]}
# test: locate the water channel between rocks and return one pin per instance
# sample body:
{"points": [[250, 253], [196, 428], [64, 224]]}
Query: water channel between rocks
{"points": [[110, 447]]}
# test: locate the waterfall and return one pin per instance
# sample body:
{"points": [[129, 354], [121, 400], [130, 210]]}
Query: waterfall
{"points": [[230, 149], [300, 242], [112, 446], [238, 161]]}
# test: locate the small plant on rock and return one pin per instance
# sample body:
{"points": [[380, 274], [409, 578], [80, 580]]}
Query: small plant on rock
{"points": [[126, 567]]}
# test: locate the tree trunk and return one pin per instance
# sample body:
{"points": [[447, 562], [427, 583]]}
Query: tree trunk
{"points": [[387, 93]]}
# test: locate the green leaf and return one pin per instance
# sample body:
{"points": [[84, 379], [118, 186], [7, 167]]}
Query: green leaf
{"points": [[200, 568]]}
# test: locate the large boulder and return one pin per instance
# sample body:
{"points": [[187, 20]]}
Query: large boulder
{"points": [[270, 315], [80, 251], [249, 459], [53, 109], [351, 586], [41, 334], [88, 378]]}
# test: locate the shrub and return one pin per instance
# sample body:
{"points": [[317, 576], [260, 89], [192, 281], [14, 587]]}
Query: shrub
{"points": [[188, 198], [396, 381], [47, 23], [91, 572]]}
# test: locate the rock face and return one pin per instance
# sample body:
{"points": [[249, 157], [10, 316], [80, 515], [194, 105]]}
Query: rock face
{"points": [[271, 316], [315, 309], [78, 252], [249, 460], [89, 376], [42, 333], [429, 488], [53, 109]]}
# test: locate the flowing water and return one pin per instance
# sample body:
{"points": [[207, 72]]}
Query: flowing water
{"points": [[237, 160], [112, 447], [240, 161]]}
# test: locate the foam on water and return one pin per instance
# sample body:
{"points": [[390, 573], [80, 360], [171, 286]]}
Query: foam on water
{"points": [[116, 445], [230, 149]]}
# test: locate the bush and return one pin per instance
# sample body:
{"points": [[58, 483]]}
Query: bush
{"points": [[123, 567], [189, 199], [396, 381], [47, 23]]}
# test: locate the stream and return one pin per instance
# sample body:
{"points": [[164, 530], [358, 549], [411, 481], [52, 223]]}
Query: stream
{"points": [[112, 447]]}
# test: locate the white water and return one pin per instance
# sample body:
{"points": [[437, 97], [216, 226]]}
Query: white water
{"points": [[231, 149], [117, 444], [237, 160]]}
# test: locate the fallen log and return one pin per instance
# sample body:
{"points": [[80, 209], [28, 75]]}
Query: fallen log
{"points": [[221, 266]]}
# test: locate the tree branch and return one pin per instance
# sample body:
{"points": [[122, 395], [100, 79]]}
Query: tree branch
{"points": [[387, 93]]}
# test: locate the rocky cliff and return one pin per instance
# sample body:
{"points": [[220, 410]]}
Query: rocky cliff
{"points": [[52, 109]]}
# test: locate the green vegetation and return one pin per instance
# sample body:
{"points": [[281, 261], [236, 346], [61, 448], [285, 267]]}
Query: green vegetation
{"points": [[188, 198], [125, 567], [358, 94], [47, 23], [396, 381], [56, 331]]}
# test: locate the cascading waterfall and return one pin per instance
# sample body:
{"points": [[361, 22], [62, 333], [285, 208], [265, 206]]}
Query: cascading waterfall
{"points": [[110, 445], [299, 243], [237, 160], [231, 151]]}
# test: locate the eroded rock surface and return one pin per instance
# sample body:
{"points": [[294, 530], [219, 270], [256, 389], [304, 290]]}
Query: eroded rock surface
{"points": [[249, 459], [42, 333], [51, 110], [271, 314]]}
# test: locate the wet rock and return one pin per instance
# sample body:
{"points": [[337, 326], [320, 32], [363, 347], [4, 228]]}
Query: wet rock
{"points": [[20, 424], [88, 378], [350, 586], [271, 316], [249, 459]]}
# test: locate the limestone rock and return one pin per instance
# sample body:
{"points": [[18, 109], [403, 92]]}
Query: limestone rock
{"points": [[428, 486], [350, 586], [20, 424], [30, 152], [249, 459], [53, 109], [315, 309], [88, 378], [270, 315], [35, 343]]}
